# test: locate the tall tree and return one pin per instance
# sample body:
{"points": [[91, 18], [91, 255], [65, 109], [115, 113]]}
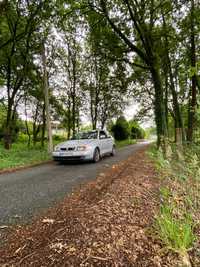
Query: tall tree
{"points": [[193, 90], [170, 73], [46, 94], [16, 56], [138, 34]]}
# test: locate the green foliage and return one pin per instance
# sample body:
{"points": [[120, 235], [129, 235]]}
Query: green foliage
{"points": [[194, 70], [15, 129], [2, 114], [179, 212], [85, 128], [165, 193], [124, 130], [22, 138], [121, 129], [177, 234], [161, 162], [2, 119], [104, 60], [58, 139], [125, 143], [150, 132], [136, 132], [21, 155]]}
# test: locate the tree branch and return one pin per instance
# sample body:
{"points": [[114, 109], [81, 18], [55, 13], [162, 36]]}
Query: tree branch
{"points": [[117, 30]]}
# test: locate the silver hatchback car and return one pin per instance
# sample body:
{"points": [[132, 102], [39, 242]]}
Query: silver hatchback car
{"points": [[91, 146]]}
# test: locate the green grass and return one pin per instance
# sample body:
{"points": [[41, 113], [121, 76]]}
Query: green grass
{"points": [[125, 143], [178, 220], [176, 233], [21, 155]]}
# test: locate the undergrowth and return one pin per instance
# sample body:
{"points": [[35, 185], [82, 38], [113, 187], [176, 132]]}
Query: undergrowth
{"points": [[21, 155], [126, 142], [177, 224]]}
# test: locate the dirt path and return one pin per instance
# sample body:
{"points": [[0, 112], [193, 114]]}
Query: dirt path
{"points": [[107, 223]]}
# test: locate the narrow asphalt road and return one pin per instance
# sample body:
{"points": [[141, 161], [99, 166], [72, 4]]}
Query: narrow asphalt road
{"points": [[26, 193]]}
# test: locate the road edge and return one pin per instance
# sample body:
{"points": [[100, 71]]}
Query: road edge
{"points": [[23, 167]]}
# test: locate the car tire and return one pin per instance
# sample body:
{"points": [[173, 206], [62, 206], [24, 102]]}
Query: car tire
{"points": [[113, 153], [96, 156]]}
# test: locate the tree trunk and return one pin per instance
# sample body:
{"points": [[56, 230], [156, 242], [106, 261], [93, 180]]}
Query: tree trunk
{"points": [[74, 115], [7, 137], [69, 120], [78, 121], [168, 68], [26, 123], [28, 133], [35, 124], [103, 122], [43, 126], [47, 107], [36, 130], [177, 114], [166, 102], [8, 128], [193, 91], [68, 132], [159, 108], [104, 118], [93, 110]]}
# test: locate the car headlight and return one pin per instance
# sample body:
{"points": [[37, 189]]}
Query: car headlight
{"points": [[82, 148], [56, 148]]}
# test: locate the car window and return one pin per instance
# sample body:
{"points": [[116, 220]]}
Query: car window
{"points": [[85, 135], [102, 135]]}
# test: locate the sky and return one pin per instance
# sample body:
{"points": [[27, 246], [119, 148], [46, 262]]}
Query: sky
{"points": [[132, 109], [129, 113]]}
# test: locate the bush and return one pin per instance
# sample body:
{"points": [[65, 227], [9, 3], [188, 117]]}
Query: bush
{"points": [[59, 138], [14, 133], [136, 131], [22, 137], [1, 133], [121, 130], [125, 143]]}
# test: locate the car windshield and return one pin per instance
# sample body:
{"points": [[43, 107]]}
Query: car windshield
{"points": [[85, 135]]}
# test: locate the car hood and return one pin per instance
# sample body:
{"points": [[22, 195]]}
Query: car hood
{"points": [[73, 143]]}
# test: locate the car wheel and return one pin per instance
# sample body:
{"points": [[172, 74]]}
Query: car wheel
{"points": [[113, 153], [96, 156]]}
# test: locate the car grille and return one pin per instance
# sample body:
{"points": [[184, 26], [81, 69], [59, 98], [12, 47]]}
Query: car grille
{"points": [[71, 148], [67, 148], [68, 158]]}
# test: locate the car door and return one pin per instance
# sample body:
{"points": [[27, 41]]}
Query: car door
{"points": [[109, 143], [102, 142]]}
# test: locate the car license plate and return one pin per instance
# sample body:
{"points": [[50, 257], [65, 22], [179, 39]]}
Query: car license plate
{"points": [[65, 154]]}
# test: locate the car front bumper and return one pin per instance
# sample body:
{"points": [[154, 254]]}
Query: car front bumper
{"points": [[70, 156]]}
